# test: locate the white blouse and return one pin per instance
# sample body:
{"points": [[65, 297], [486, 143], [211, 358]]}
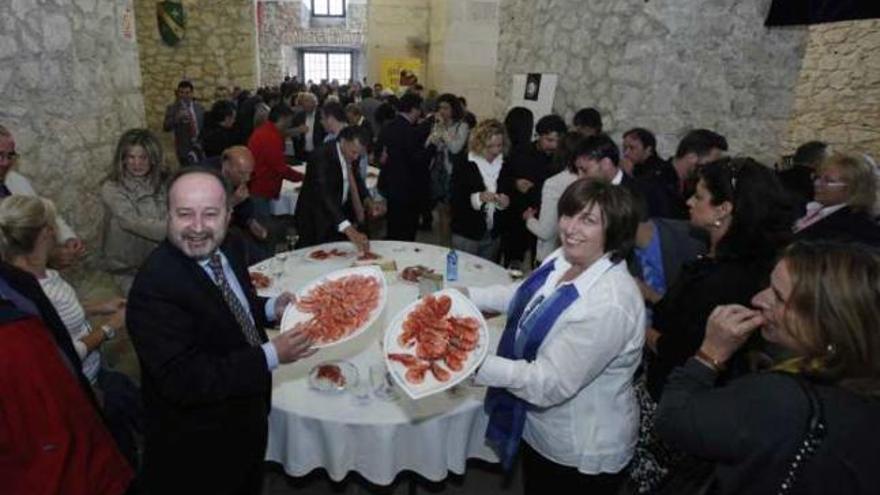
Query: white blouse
{"points": [[546, 226], [583, 410]]}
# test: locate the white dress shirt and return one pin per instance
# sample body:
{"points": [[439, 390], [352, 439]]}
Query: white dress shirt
{"points": [[546, 226], [310, 121], [268, 348], [583, 410]]}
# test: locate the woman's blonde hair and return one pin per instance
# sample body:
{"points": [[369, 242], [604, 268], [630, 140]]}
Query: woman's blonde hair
{"points": [[21, 220], [859, 177], [833, 311], [146, 140], [483, 132]]}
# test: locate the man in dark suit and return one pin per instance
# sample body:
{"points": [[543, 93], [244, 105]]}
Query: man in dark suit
{"points": [[197, 326], [404, 178], [186, 119], [798, 179], [304, 143], [237, 166], [334, 202]]}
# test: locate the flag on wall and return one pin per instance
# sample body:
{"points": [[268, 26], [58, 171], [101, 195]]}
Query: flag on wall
{"points": [[172, 21]]}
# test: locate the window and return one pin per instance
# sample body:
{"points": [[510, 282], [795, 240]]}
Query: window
{"points": [[328, 8], [318, 66]]}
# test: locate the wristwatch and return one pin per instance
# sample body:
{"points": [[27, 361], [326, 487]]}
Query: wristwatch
{"points": [[109, 332]]}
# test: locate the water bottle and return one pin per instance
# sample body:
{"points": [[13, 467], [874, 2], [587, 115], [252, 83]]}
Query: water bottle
{"points": [[452, 266]]}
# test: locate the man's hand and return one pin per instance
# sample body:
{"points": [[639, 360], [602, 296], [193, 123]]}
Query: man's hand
{"points": [[240, 194], [257, 229], [292, 346], [376, 209], [524, 185], [358, 239], [281, 304], [67, 254]]}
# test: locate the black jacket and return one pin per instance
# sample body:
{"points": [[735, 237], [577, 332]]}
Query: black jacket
{"points": [[843, 225], [320, 207], [798, 181], [753, 427], [466, 221], [404, 177], [206, 390]]}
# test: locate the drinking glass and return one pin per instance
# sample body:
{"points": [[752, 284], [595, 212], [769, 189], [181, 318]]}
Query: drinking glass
{"points": [[380, 380]]}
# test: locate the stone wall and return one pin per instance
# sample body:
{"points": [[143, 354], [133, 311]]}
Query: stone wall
{"points": [[219, 48], [396, 29], [668, 66], [463, 51], [69, 86], [838, 92], [286, 26]]}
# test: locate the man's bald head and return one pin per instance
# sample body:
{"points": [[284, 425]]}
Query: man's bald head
{"points": [[198, 213], [237, 165]]}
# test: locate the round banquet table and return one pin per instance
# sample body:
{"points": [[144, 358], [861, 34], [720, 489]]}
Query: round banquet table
{"points": [[376, 438]]}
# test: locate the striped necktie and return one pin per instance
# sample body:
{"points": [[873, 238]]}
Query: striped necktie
{"points": [[241, 316]]}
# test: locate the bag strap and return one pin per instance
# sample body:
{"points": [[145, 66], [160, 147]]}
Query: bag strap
{"points": [[812, 439]]}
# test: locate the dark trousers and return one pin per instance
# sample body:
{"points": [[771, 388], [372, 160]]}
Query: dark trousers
{"points": [[403, 220], [541, 476]]}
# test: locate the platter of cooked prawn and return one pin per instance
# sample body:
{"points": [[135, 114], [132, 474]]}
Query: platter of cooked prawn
{"points": [[435, 343], [338, 306]]}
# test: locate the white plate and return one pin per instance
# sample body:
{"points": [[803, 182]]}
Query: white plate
{"points": [[349, 373], [341, 246], [461, 306], [292, 314]]}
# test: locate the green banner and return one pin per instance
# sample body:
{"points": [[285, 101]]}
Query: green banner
{"points": [[172, 21]]}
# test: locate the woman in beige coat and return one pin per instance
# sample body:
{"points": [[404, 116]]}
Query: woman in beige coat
{"points": [[134, 197]]}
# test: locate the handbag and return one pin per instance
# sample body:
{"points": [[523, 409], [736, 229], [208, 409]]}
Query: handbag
{"points": [[697, 477]]}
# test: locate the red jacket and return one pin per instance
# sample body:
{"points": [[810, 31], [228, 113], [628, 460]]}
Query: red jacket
{"points": [[51, 437], [267, 145]]}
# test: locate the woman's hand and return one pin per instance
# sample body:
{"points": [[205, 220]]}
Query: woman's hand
{"points": [[107, 307], [652, 336], [529, 213], [502, 200], [487, 197], [648, 294], [728, 328]]}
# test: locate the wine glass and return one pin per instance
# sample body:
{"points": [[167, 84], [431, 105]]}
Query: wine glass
{"points": [[380, 380]]}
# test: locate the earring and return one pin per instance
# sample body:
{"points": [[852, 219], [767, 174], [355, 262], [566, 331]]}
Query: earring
{"points": [[830, 349], [717, 223]]}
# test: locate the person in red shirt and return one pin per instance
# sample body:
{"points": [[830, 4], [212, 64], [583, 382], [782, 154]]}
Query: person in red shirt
{"points": [[267, 145], [52, 439]]}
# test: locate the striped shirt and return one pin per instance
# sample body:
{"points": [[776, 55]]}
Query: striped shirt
{"points": [[63, 298]]}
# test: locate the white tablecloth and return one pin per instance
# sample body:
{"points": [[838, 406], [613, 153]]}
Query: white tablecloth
{"points": [[378, 439], [286, 202]]}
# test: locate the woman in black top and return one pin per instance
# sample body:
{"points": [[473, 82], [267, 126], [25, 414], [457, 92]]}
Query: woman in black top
{"points": [[822, 305], [475, 198], [744, 209]]}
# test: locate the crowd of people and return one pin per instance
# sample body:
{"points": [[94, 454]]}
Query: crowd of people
{"points": [[702, 324]]}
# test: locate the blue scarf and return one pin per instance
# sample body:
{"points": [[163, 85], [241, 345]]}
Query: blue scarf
{"points": [[507, 413]]}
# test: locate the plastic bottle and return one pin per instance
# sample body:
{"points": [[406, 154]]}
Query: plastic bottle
{"points": [[452, 266]]}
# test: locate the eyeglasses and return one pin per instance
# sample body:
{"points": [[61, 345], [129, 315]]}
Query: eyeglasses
{"points": [[828, 182], [11, 155]]}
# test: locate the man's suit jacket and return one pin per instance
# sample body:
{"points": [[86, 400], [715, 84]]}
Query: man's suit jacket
{"points": [[404, 177], [798, 181], [184, 140], [206, 390], [320, 207], [318, 133]]}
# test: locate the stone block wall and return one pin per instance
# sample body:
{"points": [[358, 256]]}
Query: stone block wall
{"points": [[668, 66], [70, 84], [838, 92], [218, 48], [286, 25], [396, 29]]}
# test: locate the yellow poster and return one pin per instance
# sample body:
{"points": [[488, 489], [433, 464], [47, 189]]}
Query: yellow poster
{"points": [[400, 72]]}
